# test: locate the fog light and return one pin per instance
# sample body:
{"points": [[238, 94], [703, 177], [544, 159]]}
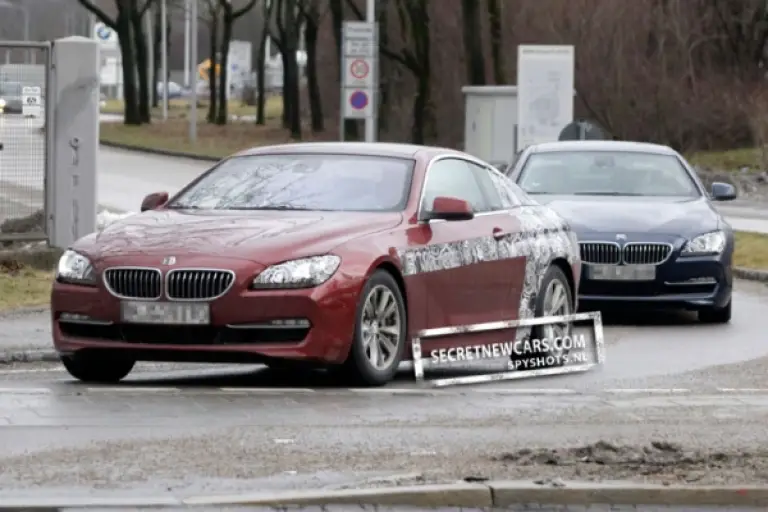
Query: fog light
{"points": [[77, 318], [296, 323]]}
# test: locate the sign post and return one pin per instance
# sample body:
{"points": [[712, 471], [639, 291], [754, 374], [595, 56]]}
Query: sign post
{"points": [[31, 101], [545, 85], [359, 74]]}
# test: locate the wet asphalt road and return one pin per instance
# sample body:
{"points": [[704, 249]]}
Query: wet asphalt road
{"points": [[181, 430]]}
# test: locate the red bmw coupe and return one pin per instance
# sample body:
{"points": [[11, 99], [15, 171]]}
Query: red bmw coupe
{"points": [[329, 254]]}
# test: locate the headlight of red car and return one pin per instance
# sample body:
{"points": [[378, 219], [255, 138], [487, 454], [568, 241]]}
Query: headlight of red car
{"points": [[301, 273], [74, 268]]}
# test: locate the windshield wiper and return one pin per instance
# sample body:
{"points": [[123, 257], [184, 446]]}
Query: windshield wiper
{"points": [[605, 194], [270, 207], [183, 207]]}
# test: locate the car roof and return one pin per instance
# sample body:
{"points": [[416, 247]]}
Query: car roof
{"points": [[385, 149], [602, 145]]}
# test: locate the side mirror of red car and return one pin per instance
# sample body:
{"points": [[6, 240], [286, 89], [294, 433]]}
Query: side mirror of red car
{"points": [[154, 200], [449, 208]]}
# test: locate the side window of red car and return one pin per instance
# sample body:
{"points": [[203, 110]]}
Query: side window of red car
{"points": [[452, 177]]}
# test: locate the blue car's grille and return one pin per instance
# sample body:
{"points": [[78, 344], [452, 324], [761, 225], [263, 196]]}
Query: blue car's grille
{"points": [[646, 254], [601, 253], [611, 253]]}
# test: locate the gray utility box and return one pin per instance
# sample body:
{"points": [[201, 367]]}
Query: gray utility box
{"points": [[490, 122]]}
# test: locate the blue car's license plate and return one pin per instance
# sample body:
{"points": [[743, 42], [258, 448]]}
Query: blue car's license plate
{"points": [[622, 272]]}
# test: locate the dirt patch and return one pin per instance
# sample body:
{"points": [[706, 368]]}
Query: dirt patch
{"points": [[212, 140], [660, 462]]}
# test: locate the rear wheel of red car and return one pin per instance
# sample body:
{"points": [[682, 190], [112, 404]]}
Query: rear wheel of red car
{"points": [[95, 368], [380, 331]]}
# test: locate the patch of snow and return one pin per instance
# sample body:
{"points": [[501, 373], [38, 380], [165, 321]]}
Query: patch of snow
{"points": [[105, 218]]}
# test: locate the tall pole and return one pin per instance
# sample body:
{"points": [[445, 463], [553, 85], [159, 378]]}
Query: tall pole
{"points": [[187, 19], [164, 54], [31, 57], [193, 66], [370, 121]]}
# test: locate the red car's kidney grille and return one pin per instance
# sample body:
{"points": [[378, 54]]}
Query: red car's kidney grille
{"points": [[134, 283], [193, 284]]}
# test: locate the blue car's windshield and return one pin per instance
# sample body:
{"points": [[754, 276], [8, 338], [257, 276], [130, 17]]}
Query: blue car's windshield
{"points": [[612, 173], [302, 182]]}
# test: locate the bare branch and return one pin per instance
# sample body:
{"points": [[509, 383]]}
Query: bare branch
{"points": [[90, 6]]}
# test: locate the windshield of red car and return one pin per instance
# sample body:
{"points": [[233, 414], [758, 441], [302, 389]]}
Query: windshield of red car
{"points": [[302, 182], [618, 173]]}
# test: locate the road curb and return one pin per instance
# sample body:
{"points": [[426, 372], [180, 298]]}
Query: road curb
{"points": [[28, 356], [751, 274], [471, 495], [505, 494], [160, 152]]}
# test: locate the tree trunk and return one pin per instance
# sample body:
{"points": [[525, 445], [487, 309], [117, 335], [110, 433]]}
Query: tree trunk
{"points": [[261, 69], [287, 97], [142, 66], [385, 69], [130, 94], [157, 35], [351, 128], [473, 43], [313, 85], [214, 60], [497, 42], [226, 37]]}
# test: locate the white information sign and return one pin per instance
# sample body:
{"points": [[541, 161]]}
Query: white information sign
{"points": [[31, 101], [545, 85], [359, 72]]}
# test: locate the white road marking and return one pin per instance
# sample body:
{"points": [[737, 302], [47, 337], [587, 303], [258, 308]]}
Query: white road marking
{"points": [[267, 391], [535, 391], [35, 370], [743, 390], [132, 389], [26, 391], [647, 391]]}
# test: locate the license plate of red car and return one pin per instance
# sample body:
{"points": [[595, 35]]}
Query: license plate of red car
{"points": [[166, 313]]}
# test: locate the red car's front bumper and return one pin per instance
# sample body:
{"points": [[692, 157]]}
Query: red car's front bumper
{"points": [[249, 326]]}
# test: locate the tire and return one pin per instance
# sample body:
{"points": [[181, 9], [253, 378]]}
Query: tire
{"points": [[359, 365], [715, 315], [553, 277], [91, 368]]}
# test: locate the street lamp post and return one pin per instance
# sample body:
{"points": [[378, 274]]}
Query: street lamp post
{"points": [[25, 14]]}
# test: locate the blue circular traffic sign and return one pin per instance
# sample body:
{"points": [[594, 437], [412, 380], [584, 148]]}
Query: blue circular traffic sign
{"points": [[358, 100], [103, 32]]}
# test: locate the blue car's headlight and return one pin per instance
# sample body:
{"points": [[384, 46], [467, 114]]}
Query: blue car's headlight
{"points": [[74, 268], [301, 273], [708, 243]]}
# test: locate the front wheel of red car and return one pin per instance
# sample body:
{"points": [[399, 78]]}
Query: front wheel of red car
{"points": [[380, 331], [92, 368]]}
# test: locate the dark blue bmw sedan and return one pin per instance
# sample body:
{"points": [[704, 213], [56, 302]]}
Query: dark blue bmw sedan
{"points": [[647, 229]]}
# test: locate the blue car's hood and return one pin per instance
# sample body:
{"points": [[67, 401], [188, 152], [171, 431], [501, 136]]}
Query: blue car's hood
{"points": [[676, 216]]}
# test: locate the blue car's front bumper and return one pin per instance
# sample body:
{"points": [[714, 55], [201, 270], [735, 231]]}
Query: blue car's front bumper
{"points": [[681, 282]]}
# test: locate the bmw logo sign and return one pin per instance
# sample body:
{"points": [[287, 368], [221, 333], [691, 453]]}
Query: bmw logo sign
{"points": [[103, 32]]}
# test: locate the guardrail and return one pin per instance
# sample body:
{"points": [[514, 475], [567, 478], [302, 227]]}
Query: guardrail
{"points": [[441, 332]]}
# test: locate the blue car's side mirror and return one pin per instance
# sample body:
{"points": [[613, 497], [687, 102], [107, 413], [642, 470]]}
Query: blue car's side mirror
{"points": [[723, 191]]}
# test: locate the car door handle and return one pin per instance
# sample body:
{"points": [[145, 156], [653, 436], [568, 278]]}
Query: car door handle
{"points": [[499, 233]]}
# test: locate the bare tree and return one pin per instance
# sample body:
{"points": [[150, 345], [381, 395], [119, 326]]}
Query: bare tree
{"points": [[497, 41], [288, 20], [311, 10], [127, 26], [261, 64], [228, 18], [473, 42]]}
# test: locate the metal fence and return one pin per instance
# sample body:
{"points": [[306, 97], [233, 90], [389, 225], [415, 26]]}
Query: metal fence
{"points": [[24, 155]]}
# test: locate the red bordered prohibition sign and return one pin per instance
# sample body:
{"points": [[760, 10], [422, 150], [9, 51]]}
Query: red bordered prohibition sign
{"points": [[359, 69]]}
